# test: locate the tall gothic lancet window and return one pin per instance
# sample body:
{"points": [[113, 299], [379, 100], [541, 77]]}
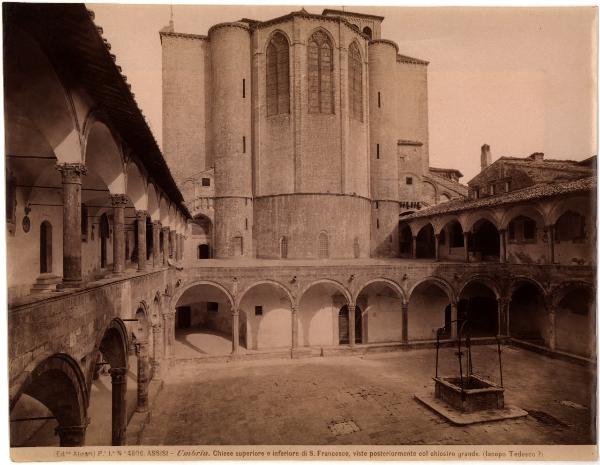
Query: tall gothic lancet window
{"points": [[355, 82], [278, 76], [320, 73]]}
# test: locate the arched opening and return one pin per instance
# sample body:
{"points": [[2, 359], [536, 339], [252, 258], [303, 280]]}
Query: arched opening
{"points": [[485, 241], [112, 401], [104, 237], [344, 325], [368, 32], [405, 242], [427, 311], [453, 246], [478, 304], [201, 236], [576, 323], [426, 242], [45, 247], [323, 245], [267, 308], [204, 323], [53, 398], [574, 239], [318, 314], [149, 238], [278, 75], [528, 316], [381, 303]]}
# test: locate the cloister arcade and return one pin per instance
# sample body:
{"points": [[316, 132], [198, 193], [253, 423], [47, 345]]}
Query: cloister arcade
{"points": [[543, 231]]}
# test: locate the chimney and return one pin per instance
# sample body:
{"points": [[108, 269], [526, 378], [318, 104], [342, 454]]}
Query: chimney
{"points": [[486, 156], [537, 156]]}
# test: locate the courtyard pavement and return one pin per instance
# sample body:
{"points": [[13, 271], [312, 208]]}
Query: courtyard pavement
{"points": [[366, 400]]}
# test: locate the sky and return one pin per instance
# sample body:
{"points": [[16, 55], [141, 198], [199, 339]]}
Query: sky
{"points": [[522, 80]]}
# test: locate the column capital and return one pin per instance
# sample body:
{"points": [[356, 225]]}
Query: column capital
{"points": [[71, 172], [157, 224], [141, 214], [118, 200], [118, 375], [156, 328], [294, 308], [351, 307]]}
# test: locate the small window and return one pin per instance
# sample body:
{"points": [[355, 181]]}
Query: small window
{"points": [[492, 189], [377, 151], [507, 186], [243, 88], [243, 144], [283, 247], [379, 99], [377, 223], [323, 245], [409, 180], [376, 205], [212, 307], [205, 182], [246, 223], [258, 310]]}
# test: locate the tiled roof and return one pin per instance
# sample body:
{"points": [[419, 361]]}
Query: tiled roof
{"points": [[327, 11], [538, 191], [451, 185]]}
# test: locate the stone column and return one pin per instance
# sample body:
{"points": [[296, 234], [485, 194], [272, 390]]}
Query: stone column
{"points": [[454, 320], [550, 230], [118, 378], [351, 324], [71, 436], [118, 202], [551, 309], [71, 187], [235, 332], [156, 262], [173, 242], [140, 216], [143, 377], [405, 322], [166, 236], [169, 336], [294, 326], [178, 246], [466, 237], [414, 247], [502, 245], [437, 247], [503, 308], [157, 340]]}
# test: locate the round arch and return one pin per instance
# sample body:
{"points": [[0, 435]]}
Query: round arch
{"points": [[391, 284], [136, 187], [440, 225], [516, 281], [577, 205], [340, 287], [530, 211], [182, 289], [560, 291], [271, 282], [472, 219], [59, 384], [103, 155], [481, 279], [114, 344], [439, 282], [153, 203]]}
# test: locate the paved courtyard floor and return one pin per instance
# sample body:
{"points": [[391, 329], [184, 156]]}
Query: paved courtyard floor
{"points": [[366, 400]]}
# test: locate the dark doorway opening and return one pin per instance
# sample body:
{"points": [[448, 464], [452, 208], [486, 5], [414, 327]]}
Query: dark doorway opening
{"points": [[203, 252], [184, 317], [104, 234], [344, 325]]}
